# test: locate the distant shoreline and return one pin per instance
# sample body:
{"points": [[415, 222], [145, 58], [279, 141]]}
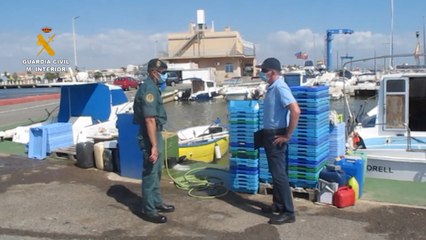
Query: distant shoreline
{"points": [[11, 101]]}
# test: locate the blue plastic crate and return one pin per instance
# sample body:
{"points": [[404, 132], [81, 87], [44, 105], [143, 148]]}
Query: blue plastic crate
{"points": [[242, 144], [58, 135], [319, 131], [304, 95], [321, 116], [55, 142], [306, 125], [245, 189], [244, 170], [296, 148], [37, 146], [244, 115], [264, 171], [312, 101], [304, 166], [317, 102], [309, 88], [308, 159], [246, 106], [253, 163], [303, 183], [241, 138], [308, 140], [311, 176], [243, 153], [245, 179], [243, 127]]}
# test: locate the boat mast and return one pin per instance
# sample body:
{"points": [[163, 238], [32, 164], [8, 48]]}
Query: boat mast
{"points": [[424, 42], [391, 37]]}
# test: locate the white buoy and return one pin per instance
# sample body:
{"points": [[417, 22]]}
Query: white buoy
{"points": [[217, 153]]}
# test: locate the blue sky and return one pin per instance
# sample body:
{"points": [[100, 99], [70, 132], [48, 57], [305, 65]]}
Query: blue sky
{"points": [[115, 33]]}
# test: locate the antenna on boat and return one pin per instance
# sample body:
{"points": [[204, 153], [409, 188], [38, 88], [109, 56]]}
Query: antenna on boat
{"points": [[424, 42], [391, 37]]}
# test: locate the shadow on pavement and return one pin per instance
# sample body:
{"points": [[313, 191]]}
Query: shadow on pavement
{"points": [[126, 197], [245, 204]]}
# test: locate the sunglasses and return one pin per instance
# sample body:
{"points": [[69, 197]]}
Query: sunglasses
{"points": [[264, 70]]}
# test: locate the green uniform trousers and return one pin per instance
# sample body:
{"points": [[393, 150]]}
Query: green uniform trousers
{"points": [[151, 175]]}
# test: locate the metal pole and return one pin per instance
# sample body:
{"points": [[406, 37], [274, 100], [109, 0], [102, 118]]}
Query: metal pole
{"points": [[424, 42], [391, 39], [73, 35], [156, 49]]}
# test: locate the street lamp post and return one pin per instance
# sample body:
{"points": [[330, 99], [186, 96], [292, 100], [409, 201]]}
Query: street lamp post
{"points": [[391, 37], [73, 35]]}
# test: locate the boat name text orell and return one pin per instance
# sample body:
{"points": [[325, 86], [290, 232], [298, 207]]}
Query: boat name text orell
{"points": [[382, 169]]}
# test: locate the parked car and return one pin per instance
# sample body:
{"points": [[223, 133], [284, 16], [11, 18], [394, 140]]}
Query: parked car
{"points": [[126, 83], [173, 78]]}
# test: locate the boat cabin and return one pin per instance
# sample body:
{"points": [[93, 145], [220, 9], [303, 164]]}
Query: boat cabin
{"points": [[403, 99]]}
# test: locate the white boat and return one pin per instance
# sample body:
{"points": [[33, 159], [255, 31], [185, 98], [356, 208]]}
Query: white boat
{"points": [[91, 109], [203, 143], [394, 133], [297, 78], [202, 89], [239, 89]]}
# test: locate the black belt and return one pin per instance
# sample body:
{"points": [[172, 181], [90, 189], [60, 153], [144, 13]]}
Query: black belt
{"points": [[278, 131]]}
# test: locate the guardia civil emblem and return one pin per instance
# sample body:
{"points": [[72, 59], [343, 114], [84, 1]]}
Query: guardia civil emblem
{"points": [[149, 98]]}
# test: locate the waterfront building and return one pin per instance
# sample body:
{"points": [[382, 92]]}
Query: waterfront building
{"points": [[225, 51]]}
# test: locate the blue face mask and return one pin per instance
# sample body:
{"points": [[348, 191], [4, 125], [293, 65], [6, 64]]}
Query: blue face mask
{"points": [[163, 78], [263, 76]]}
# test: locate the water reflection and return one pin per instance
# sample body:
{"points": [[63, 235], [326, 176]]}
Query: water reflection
{"points": [[188, 113]]}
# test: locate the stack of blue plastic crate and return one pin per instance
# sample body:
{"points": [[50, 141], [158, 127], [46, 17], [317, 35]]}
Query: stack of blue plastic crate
{"points": [[47, 138], [337, 140], [309, 146], [264, 174], [244, 162]]}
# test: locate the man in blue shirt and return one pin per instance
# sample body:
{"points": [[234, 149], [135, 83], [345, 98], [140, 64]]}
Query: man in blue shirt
{"points": [[149, 113], [278, 128]]}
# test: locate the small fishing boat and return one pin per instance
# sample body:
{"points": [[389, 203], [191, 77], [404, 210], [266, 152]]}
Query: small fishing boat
{"points": [[393, 135], [203, 89], [203, 143]]}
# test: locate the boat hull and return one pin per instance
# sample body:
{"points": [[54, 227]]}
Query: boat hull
{"points": [[204, 150], [396, 164]]}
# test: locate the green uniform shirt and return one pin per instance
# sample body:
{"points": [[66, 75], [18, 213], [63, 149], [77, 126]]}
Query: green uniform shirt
{"points": [[148, 103]]}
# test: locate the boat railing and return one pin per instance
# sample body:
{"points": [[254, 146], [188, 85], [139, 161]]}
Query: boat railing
{"points": [[409, 148], [409, 138]]}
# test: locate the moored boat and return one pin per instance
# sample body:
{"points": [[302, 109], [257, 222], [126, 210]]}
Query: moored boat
{"points": [[90, 108], [393, 135], [203, 89], [203, 143]]}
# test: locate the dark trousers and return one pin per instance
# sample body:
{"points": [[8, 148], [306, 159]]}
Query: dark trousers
{"points": [[151, 175], [277, 161]]}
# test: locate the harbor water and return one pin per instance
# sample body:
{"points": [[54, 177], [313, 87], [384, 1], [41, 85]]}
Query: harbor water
{"points": [[183, 114], [24, 92], [188, 114]]}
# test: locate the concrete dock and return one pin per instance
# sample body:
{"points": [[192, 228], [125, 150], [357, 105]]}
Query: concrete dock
{"points": [[53, 199]]}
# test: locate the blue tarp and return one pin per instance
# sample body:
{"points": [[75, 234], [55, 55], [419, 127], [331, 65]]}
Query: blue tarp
{"points": [[92, 100]]}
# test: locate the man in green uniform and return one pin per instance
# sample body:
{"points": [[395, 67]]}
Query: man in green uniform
{"points": [[149, 113]]}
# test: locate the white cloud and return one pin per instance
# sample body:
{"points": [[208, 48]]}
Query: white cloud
{"points": [[119, 47], [112, 49], [283, 45]]}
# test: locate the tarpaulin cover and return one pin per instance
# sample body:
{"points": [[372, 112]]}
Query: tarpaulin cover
{"points": [[92, 100]]}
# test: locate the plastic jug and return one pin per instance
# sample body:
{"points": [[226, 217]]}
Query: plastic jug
{"points": [[353, 183], [344, 197]]}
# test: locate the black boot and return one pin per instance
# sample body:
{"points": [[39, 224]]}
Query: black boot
{"points": [[154, 217]]}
